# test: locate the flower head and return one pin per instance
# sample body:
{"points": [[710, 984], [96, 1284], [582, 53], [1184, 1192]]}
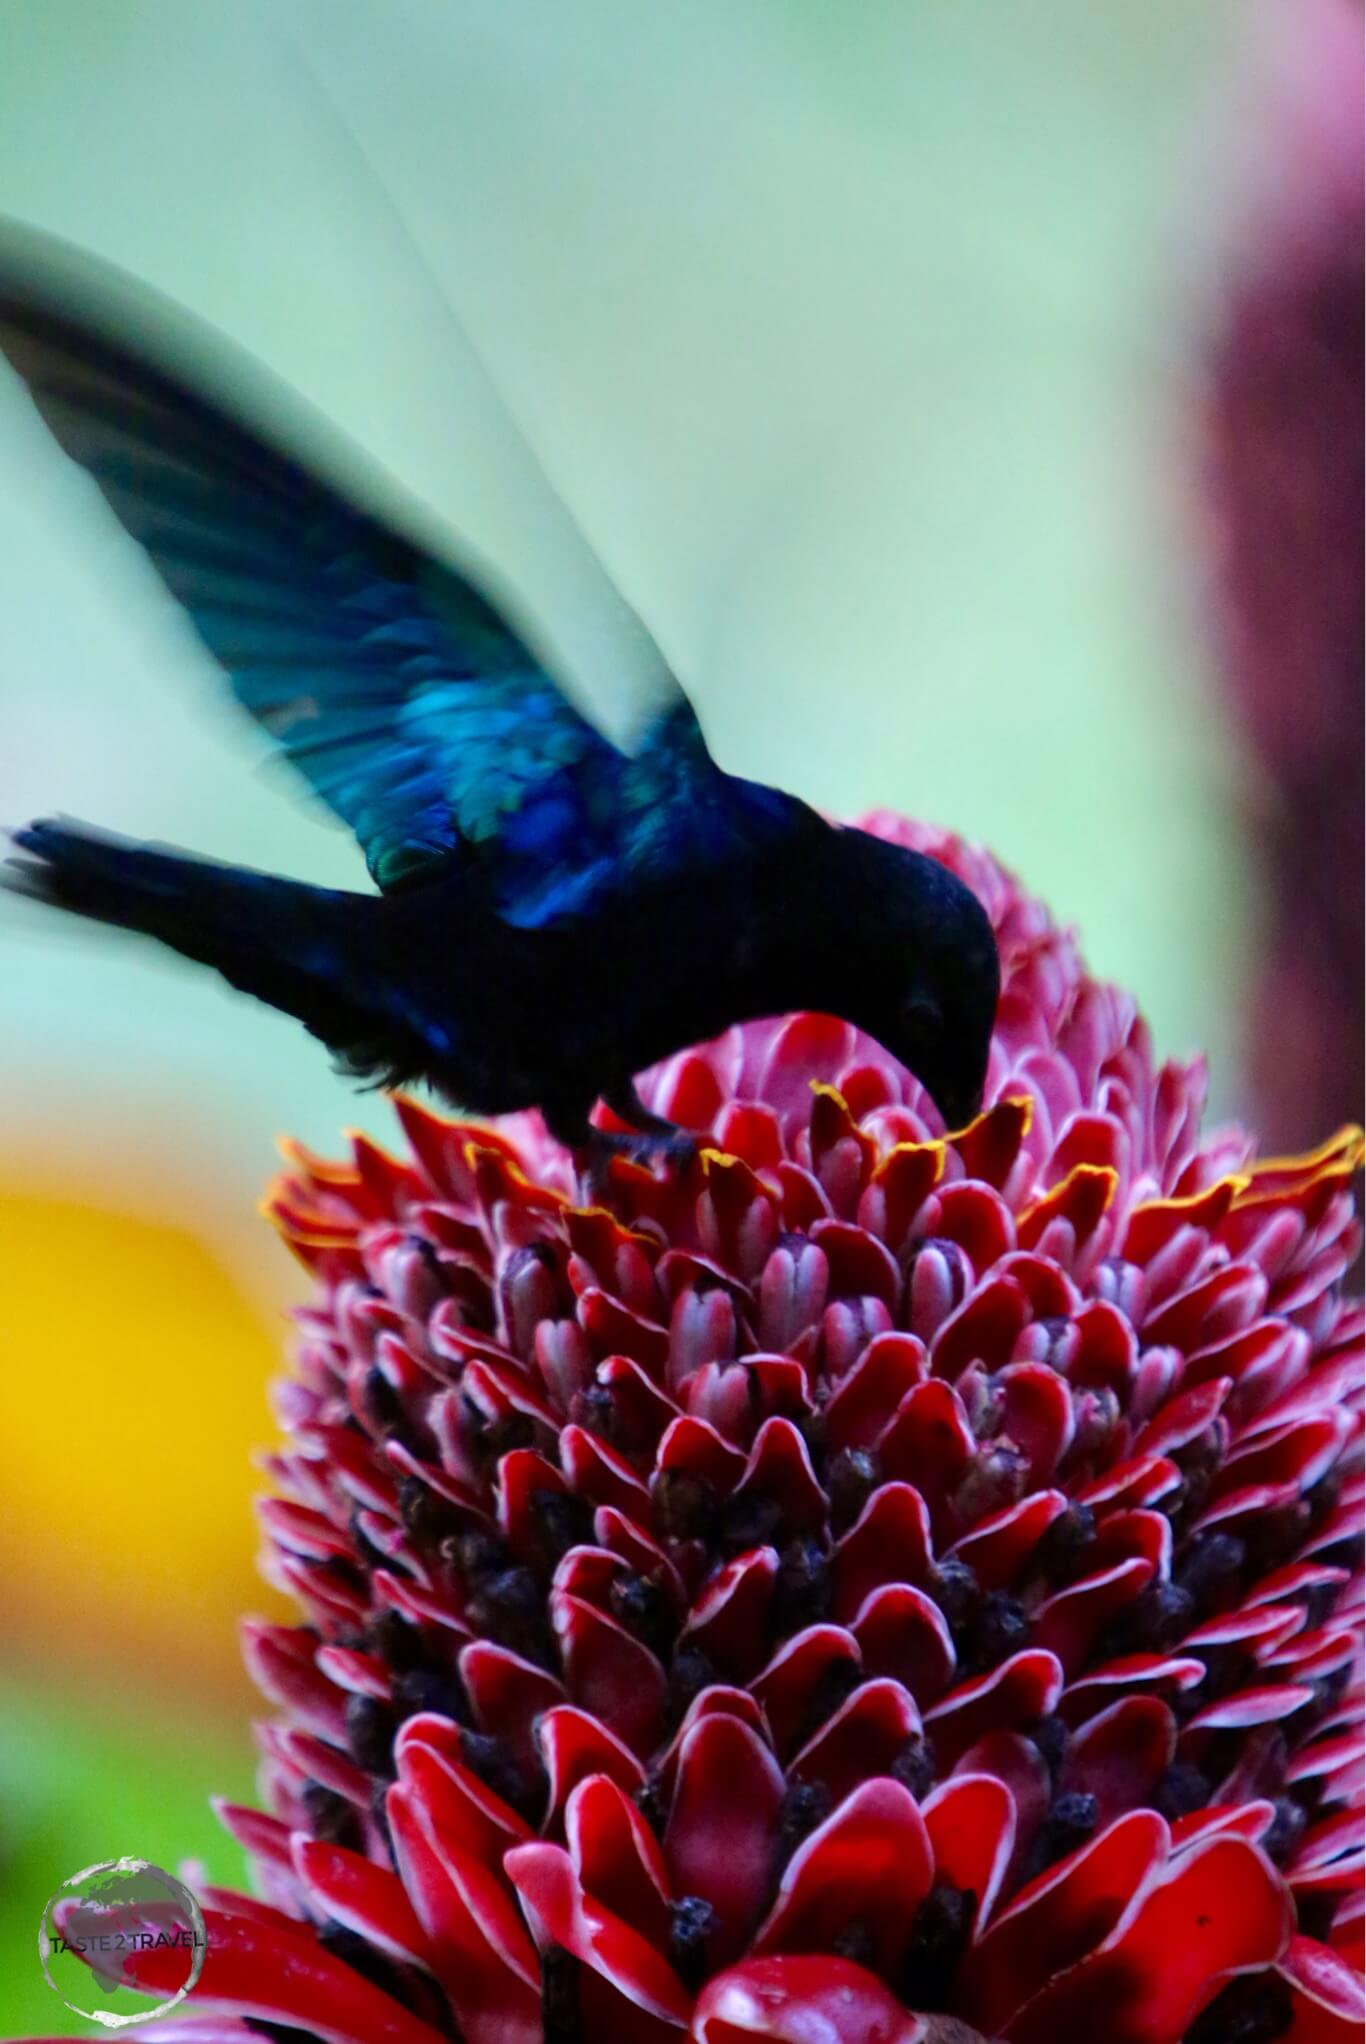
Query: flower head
{"points": [[871, 1585]]}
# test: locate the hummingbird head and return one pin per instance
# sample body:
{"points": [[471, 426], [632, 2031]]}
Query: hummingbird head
{"points": [[920, 956]]}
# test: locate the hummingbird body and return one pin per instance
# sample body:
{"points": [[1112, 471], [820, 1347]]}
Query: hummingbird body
{"points": [[553, 914]]}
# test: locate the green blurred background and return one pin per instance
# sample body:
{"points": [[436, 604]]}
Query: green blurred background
{"points": [[864, 341]]}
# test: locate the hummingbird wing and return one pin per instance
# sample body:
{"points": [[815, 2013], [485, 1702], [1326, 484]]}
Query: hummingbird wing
{"points": [[390, 680]]}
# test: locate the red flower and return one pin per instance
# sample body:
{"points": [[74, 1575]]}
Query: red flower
{"points": [[874, 1586]]}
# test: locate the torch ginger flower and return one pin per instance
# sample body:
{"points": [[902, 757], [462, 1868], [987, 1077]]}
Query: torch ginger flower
{"points": [[869, 1586]]}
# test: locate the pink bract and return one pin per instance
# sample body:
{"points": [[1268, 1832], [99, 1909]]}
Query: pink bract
{"points": [[872, 1586]]}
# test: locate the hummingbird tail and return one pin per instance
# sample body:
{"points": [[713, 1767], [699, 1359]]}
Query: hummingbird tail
{"points": [[310, 951]]}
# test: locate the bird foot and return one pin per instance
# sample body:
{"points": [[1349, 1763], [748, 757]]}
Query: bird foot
{"points": [[594, 1157]]}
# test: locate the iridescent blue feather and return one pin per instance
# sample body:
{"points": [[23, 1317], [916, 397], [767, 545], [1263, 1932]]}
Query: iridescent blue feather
{"points": [[389, 681]]}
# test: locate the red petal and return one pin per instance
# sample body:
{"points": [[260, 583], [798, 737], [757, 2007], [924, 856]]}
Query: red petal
{"points": [[1131, 1673], [562, 1914], [722, 1824], [1037, 1417], [614, 1329], [801, 2001], [1242, 1507], [301, 1530], [249, 1906], [870, 1863], [1258, 1626], [997, 1548], [639, 1550], [863, 1737], [1119, 1755], [641, 1409], [1262, 1706], [574, 1745], [598, 1473], [1182, 1419], [481, 1953], [508, 1693], [719, 1699], [842, 1156], [804, 1203], [1142, 1480], [729, 1620], [314, 1758], [1313, 1655], [860, 1265], [266, 1838], [981, 1223], [1060, 1917], [1069, 1622], [610, 1674], [903, 1633], [498, 1389], [1080, 1202], [1323, 1757], [280, 1662], [990, 1145], [522, 1473], [1330, 1996], [1016, 1761], [1338, 1876], [899, 1187], [847, 1327], [328, 1602], [1223, 1303], [412, 1601], [1050, 1292], [1107, 1349], [695, 1446], [285, 1976], [787, 1686], [589, 1572], [182, 2029], [971, 1825], [703, 1328], [366, 1898], [691, 1092], [617, 1857], [1249, 1820], [1300, 1452], [929, 1441], [1221, 1909], [1025, 1687], [1152, 1224], [1342, 1832], [779, 1468], [467, 1816], [380, 1492], [865, 1400], [750, 1131], [1348, 1931], [889, 1542], [735, 1398]]}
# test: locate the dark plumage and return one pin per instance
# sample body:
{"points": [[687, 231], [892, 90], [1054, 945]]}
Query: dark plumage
{"points": [[553, 914]]}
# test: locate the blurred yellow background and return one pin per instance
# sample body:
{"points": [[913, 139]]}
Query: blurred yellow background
{"points": [[864, 343]]}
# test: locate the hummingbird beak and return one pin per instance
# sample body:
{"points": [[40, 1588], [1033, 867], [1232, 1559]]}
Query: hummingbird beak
{"points": [[959, 1107]]}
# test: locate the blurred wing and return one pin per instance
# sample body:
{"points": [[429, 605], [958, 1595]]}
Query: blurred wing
{"points": [[390, 682]]}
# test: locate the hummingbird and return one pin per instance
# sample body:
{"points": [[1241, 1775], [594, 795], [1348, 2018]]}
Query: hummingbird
{"points": [[552, 911]]}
